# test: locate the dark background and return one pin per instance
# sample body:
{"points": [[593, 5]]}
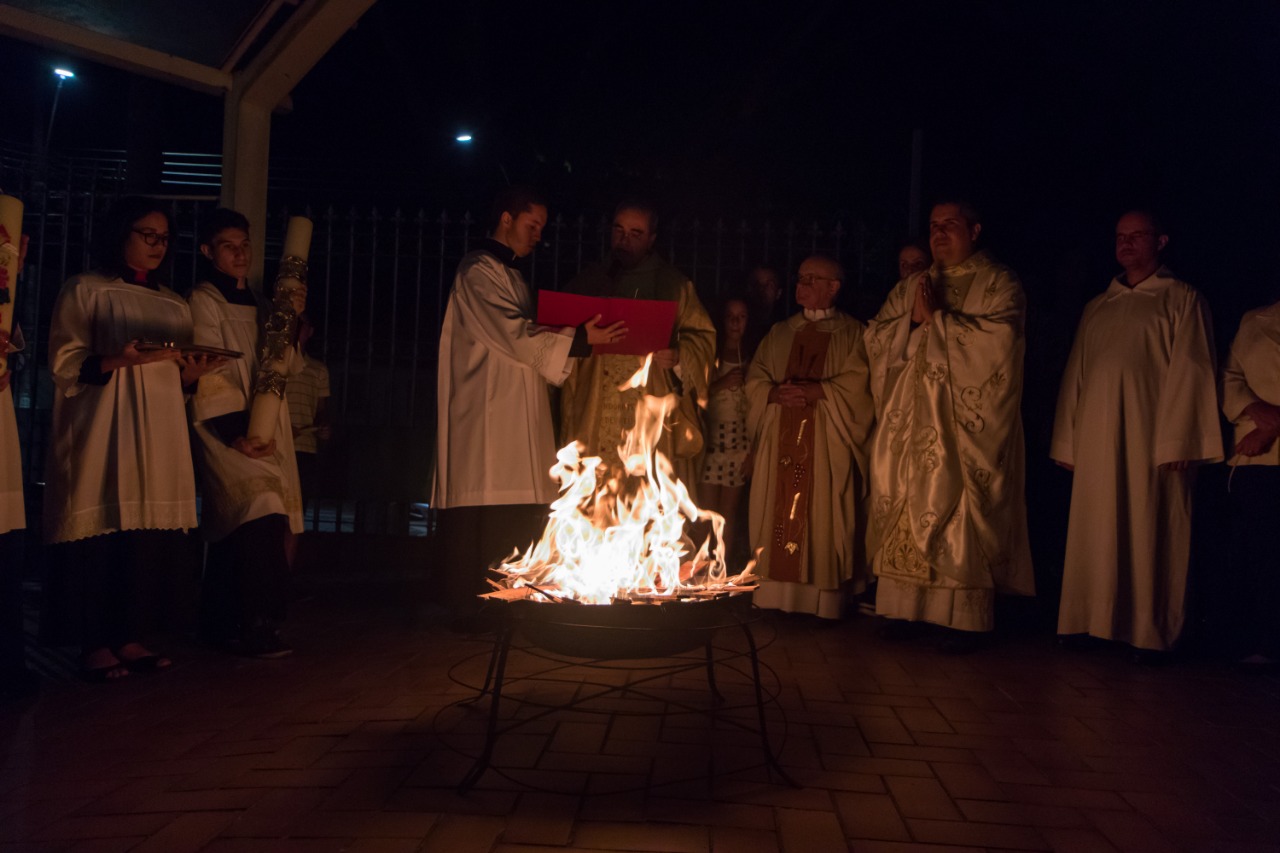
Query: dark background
{"points": [[1053, 118]]}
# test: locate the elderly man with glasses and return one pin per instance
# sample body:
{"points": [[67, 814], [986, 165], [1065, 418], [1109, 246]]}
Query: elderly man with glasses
{"points": [[1137, 409], [947, 459], [809, 412]]}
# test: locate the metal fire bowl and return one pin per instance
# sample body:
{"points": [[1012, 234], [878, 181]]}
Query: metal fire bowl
{"points": [[625, 631]]}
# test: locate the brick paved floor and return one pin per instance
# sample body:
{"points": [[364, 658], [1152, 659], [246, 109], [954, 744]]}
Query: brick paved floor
{"points": [[355, 744]]}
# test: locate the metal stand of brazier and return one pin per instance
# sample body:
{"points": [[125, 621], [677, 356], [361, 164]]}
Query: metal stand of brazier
{"points": [[595, 635]]}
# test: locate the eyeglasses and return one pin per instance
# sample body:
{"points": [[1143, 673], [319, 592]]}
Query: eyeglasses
{"points": [[152, 238], [1133, 236], [813, 279]]}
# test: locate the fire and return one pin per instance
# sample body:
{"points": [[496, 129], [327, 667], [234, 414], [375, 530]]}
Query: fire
{"points": [[618, 531]]}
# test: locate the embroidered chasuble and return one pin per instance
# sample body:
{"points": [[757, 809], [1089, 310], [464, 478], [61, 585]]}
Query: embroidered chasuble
{"points": [[947, 458], [593, 410], [810, 465]]}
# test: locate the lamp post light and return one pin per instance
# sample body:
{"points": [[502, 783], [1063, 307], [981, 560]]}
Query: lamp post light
{"points": [[63, 75]]}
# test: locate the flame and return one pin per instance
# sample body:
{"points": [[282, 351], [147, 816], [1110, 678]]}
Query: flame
{"points": [[619, 531]]}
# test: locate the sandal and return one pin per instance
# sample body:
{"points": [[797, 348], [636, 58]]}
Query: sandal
{"points": [[148, 661], [102, 674]]}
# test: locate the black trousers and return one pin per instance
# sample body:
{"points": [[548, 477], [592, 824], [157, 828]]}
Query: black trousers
{"points": [[472, 538], [116, 587], [245, 579], [1255, 556]]}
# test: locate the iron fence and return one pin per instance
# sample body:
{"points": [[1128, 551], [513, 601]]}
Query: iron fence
{"points": [[378, 285]]}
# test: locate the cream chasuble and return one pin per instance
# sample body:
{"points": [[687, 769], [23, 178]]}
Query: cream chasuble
{"points": [[495, 442], [119, 457], [593, 410], [947, 458], [234, 488], [1138, 392], [824, 451], [1252, 375], [13, 514]]}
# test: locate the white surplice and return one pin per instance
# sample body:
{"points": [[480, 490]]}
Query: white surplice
{"points": [[119, 457], [1252, 375], [837, 477], [1139, 391], [947, 456], [495, 443], [236, 489]]}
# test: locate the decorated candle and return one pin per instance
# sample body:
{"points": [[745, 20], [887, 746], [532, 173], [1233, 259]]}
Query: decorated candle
{"points": [[277, 353]]}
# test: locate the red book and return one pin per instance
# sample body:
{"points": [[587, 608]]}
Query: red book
{"points": [[649, 321]]}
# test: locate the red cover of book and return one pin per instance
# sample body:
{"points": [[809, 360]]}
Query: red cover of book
{"points": [[649, 321]]}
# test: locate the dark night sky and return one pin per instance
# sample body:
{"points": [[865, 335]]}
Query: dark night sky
{"points": [[1052, 116]]}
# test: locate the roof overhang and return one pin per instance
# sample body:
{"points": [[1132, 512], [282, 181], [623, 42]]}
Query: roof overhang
{"points": [[268, 45]]}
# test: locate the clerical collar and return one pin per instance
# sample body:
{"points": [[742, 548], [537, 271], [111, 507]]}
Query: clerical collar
{"points": [[499, 251], [813, 315], [226, 285]]}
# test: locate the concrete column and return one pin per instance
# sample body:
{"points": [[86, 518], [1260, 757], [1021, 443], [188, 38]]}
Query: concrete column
{"points": [[246, 145]]}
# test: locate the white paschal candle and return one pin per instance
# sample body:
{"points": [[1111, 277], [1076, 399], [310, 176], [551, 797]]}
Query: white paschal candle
{"points": [[297, 244], [288, 301], [297, 238], [10, 248]]}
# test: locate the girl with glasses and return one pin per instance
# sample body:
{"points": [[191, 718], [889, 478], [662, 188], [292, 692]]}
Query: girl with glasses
{"points": [[119, 484]]}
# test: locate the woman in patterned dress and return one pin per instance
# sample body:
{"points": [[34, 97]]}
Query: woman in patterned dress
{"points": [[726, 465]]}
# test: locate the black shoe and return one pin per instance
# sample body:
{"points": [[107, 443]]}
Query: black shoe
{"points": [[261, 641], [962, 642], [1150, 657], [897, 630], [1076, 642], [1257, 665]]}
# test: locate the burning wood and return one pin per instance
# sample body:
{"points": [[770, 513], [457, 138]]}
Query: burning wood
{"points": [[618, 531]]}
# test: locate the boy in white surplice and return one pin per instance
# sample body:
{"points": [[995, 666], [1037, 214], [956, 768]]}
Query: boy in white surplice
{"points": [[251, 499]]}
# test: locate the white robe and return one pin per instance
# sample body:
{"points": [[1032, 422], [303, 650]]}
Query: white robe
{"points": [[234, 488], [1252, 375], [13, 515], [841, 423], [495, 443], [947, 456], [119, 457], [1138, 392]]}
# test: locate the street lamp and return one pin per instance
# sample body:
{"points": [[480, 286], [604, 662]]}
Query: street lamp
{"points": [[464, 138], [63, 75]]}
